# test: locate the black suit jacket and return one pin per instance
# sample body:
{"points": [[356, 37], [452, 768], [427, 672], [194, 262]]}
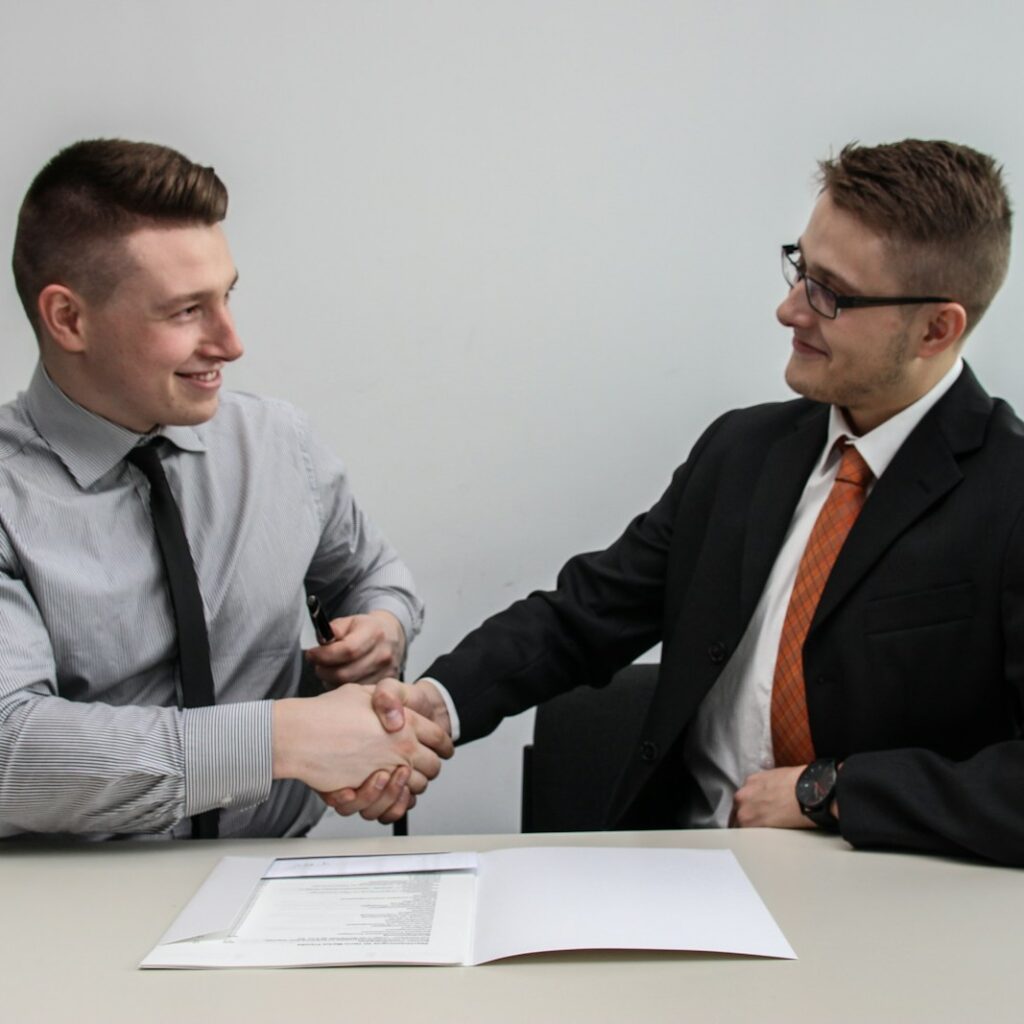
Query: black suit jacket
{"points": [[914, 661]]}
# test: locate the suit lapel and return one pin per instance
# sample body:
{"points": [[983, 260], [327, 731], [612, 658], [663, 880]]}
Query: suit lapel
{"points": [[922, 472], [779, 486], [776, 488]]}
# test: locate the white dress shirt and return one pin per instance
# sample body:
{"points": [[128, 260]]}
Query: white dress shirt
{"points": [[731, 736]]}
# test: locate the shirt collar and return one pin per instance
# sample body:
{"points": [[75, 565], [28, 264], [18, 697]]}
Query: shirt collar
{"points": [[878, 447], [88, 445]]}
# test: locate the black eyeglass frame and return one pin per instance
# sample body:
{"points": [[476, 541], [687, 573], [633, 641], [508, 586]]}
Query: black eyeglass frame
{"points": [[842, 302]]}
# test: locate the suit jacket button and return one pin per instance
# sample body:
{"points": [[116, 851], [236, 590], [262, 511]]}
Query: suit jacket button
{"points": [[648, 751], [716, 652]]}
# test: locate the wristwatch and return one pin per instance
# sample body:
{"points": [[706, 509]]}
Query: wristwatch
{"points": [[815, 791]]}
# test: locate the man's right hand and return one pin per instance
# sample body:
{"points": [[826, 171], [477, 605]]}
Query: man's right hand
{"points": [[335, 741], [382, 797]]}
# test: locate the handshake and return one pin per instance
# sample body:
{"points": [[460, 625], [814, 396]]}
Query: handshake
{"points": [[366, 749], [369, 748]]}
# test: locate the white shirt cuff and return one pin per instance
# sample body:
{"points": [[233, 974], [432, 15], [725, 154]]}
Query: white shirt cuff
{"points": [[453, 715]]}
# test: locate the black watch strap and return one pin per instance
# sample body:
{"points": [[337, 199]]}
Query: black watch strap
{"points": [[815, 791]]}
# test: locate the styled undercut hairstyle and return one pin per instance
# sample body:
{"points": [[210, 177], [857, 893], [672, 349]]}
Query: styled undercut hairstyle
{"points": [[942, 208], [88, 197]]}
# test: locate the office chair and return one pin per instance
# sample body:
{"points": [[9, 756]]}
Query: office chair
{"points": [[581, 742]]}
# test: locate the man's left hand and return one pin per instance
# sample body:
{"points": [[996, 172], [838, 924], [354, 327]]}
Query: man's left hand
{"points": [[768, 800], [366, 649]]}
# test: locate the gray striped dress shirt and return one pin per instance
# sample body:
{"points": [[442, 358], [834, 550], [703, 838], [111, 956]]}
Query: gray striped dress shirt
{"points": [[91, 739]]}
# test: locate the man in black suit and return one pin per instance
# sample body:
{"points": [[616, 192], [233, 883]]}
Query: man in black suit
{"points": [[898, 720]]}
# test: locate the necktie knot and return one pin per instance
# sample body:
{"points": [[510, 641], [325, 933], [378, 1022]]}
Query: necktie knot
{"points": [[852, 467], [145, 458]]}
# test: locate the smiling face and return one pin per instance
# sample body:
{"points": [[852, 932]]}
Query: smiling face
{"points": [[152, 352], [867, 361]]}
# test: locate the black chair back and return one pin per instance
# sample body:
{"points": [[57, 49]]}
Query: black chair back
{"points": [[581, 743]]}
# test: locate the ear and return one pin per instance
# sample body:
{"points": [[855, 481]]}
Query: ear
{"points": [[944, 327], [60, 311]]}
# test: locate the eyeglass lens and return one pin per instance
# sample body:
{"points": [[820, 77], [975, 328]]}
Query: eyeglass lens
{"points": [[821, 299]]}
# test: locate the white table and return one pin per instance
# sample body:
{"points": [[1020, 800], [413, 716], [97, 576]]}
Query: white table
{"points": [[880, 937]]}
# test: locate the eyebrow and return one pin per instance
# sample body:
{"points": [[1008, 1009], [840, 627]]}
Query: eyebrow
{"points": [[192, 297], [833, 278]]}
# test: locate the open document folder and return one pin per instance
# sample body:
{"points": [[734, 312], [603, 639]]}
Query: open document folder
{"points": [[467, 908]]}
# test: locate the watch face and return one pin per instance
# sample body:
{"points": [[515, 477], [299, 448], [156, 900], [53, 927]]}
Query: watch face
{"points": [[816, 784]]}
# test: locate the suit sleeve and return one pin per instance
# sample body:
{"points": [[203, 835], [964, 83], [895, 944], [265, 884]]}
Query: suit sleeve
{"points": [[607, 608], [915, 799]]}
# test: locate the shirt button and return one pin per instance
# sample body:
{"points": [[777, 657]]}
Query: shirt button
{"points": [[717, 652], [648, 751]]}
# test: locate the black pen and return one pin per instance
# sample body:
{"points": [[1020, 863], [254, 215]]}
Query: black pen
{"points": [[321, 624]]}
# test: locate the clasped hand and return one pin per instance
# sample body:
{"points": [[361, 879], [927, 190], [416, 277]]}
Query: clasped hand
{"points": [[370, 649], [386, 796], [336, 741]]}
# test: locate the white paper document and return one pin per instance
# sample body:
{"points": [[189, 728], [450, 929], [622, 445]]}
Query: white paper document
{"points": [[467, 908]]}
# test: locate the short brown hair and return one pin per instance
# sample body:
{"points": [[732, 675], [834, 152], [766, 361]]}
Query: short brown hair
{"points": [[942, 207], [92, 194]]}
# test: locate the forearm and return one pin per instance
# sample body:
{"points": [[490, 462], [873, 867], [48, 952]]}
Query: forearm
{"points": [[917, 800], [597, 620], [504, 666], [608, 608], [89, 768]]}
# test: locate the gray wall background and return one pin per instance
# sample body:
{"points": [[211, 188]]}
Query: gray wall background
{"points": [[512, 257]]}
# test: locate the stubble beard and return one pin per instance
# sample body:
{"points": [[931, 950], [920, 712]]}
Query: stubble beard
{"points": [[871, 385]]}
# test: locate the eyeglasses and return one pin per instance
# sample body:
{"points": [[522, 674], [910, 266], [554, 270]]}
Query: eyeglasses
{"points": [[827, 303]]}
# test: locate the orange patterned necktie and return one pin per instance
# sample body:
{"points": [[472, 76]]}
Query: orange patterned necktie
{"points": [[791, 732]]}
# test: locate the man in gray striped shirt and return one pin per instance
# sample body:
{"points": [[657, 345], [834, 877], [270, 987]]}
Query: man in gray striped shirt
{"points": [[125, 275]]}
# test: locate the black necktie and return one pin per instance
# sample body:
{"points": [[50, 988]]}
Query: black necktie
{"points": [[193, 643]]}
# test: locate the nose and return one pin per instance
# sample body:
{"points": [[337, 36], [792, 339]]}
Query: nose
{"points": [[223, 341], [795, 310]]}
